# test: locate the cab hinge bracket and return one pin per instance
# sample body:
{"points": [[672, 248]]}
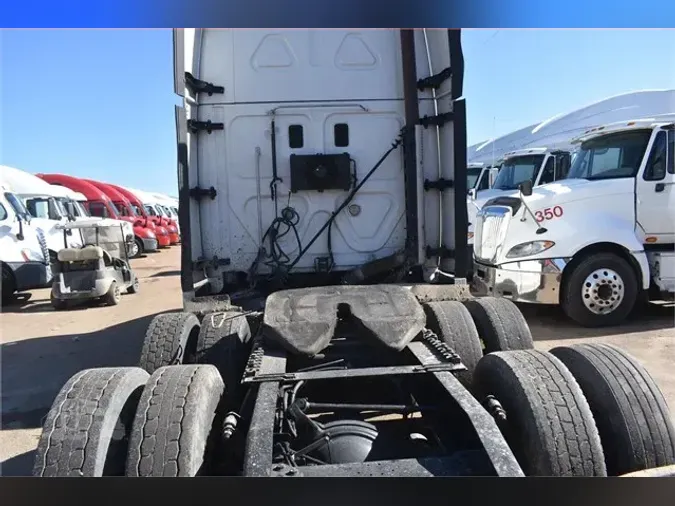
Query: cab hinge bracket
{"points": [[198, 86], [441, 184], [197, 192], [442, 252], [196, 126], [435, 81], [438, 120]]}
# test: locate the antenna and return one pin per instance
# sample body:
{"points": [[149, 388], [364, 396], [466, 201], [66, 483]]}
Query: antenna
{"points": [[494, 131]]}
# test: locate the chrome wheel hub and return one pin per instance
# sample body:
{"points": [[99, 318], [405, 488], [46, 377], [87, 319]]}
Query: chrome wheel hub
{"points": [[602, 291]]}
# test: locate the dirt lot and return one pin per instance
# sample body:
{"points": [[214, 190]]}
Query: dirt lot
{"points": [[41, 349]]}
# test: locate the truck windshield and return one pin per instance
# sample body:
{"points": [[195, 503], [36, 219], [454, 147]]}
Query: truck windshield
{"points": [[517, 170], [472, 175], [611, 156], [81, 210], [17, 205], [150, 210], [124, 209]]}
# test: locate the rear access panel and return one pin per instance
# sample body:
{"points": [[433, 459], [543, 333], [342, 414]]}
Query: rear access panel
{"points": [[239, 162]]}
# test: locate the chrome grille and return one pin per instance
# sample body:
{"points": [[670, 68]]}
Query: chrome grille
{"points": [[491, 226]]}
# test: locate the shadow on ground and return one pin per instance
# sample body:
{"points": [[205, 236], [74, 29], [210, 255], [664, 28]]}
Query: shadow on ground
{"points": [[33, 371], [165, 274], [549, 322], [20, 465], [43, 305]]}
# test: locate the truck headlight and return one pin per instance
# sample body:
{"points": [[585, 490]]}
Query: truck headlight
{"points": [[527, 249]]}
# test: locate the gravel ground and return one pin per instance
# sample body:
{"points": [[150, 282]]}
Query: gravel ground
{"points": [[41, 348]]}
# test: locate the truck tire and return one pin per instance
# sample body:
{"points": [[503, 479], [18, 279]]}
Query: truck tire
{"points": [[173, 422], [452, 323], [114, 295], [87, 428], [549, 425], [629, 409], [136, 250], [222, 342], [171, 339], [601, 290], [501, 326]]}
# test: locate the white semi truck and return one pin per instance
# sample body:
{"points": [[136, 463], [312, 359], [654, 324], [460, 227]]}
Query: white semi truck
{"points": [[42, 201], [24, 257], [597, 242], [480, 176], [540, 165], [312, 341]]}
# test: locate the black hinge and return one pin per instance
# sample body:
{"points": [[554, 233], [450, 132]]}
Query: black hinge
{"points": [[439, 120], [195, 126], [440, 184], [443, 252], [434, 81], [198, 86], [198, 193]]}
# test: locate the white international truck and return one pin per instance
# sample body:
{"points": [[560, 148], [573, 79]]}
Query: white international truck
{"points": [[480, 176], [540, 165], [343, 357], [42, 201], [595, 243], [24, 257]]}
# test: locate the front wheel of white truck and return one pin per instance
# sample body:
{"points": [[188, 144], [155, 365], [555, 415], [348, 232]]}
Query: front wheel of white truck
{"points": [[601, 290]]}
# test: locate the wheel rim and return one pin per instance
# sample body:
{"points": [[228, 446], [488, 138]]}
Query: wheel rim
{"points": [[603, 291], [133, 249], [117, 292]]}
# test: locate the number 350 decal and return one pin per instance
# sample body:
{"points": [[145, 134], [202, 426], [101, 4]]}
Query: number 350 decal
{"points": [[549, 213]]}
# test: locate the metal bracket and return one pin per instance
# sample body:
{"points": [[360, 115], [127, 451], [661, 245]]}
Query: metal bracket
{"points": [[197, 192], [195, 126], [441, 184], [434, 81], [439, 120], [198, 86], [443, 252]]}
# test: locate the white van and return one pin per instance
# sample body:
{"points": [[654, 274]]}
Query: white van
{"points": [[47, 211], [24, 257]]}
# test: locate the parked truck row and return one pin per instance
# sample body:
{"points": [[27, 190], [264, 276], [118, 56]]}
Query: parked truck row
{"points": [[35, 209], [597, 242]]}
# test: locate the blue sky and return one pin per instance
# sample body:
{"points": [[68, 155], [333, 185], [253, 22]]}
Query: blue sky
{"points": [[99, 103]]}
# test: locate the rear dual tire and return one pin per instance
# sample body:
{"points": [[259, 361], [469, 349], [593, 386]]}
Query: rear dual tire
{"points": [[478, 326]]}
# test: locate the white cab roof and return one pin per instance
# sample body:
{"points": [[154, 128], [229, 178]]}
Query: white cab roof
{"points": [[26, 184]]}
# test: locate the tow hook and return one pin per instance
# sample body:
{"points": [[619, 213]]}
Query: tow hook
{"points": [[495, 409]]}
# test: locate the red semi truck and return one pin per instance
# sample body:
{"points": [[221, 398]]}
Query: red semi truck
{"points": [[127, 211], [99, 204], [140, 209]]}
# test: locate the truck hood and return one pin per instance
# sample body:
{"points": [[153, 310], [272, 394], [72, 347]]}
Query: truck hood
{"points": [[570, 190]]}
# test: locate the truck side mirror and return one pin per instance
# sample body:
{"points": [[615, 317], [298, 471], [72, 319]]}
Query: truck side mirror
{"points": [[472, 193], [526, 187]]}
